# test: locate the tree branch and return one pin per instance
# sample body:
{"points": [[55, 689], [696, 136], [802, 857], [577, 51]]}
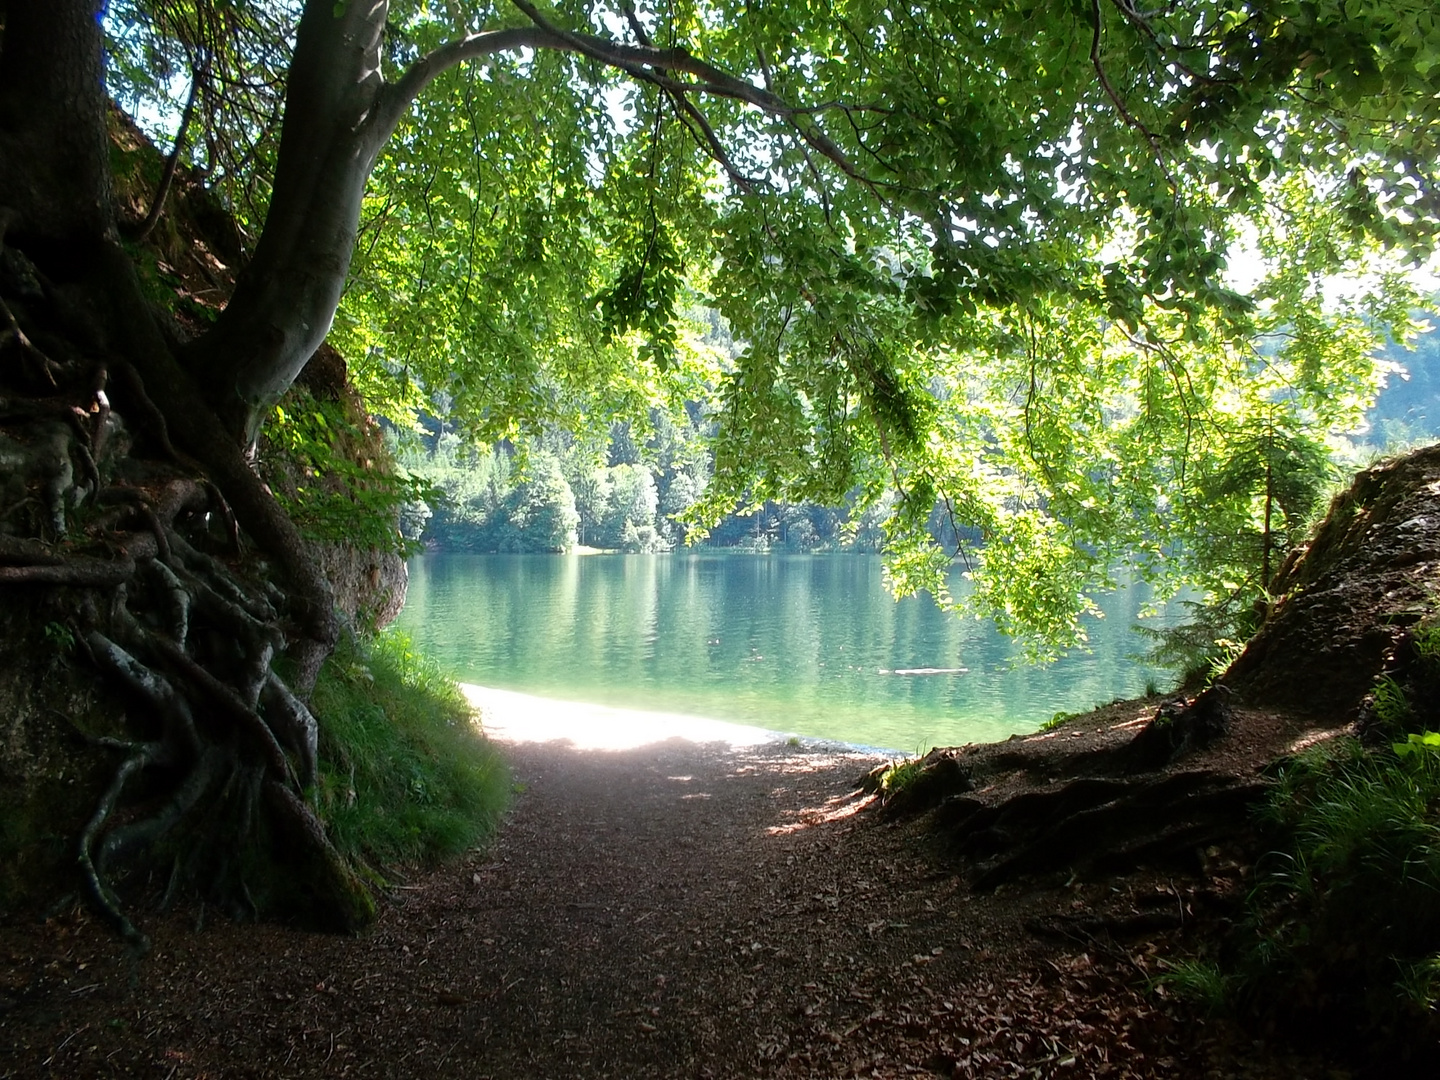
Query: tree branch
{"points": [[641, 61], [167, 175], [706, 136], [641, 34], [1114, 96], [396, 98]]}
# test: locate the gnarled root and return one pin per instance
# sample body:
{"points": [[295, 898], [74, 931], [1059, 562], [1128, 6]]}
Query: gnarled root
{"points": [[1097, 825], [232, 744], [220, 757], [1030, 807], [232, 752], [96, 891], [339, 898]]}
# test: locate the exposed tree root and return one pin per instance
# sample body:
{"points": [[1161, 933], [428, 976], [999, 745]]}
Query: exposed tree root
{"points": [[78, 571], [20, 550], [1095, 826], [1107, 809], [295, 725], [220, 751], [1177, 729], [37, 362], [98, 893]]}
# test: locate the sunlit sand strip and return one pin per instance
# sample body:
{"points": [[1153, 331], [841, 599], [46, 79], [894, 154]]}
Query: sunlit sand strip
{"points": [[514, 717]]}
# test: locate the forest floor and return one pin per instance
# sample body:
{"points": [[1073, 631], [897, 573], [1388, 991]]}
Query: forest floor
{"points": [[674, 909]]}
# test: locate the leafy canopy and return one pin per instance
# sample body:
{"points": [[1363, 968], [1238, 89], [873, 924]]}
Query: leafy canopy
{"points": [[983, 257]]}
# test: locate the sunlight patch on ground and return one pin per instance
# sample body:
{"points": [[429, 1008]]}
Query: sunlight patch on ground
{"points": [[1312, 738], [837, 809], [509, 716]]}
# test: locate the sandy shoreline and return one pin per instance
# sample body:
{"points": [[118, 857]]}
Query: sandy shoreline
{"points": [[510, 716]]}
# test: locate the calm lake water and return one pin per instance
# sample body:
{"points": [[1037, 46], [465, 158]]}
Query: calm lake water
{"points": [[805, 644]]}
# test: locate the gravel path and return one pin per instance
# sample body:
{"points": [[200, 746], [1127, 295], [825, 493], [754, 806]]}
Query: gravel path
{"points": [[671, 910]]}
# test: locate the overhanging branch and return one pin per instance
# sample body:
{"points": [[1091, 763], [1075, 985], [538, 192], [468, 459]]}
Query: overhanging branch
{"points": [[663, 67], [1125, 114], [397, 97]]}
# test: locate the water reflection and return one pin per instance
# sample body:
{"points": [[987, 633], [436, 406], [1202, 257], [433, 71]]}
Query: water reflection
{"points": [[811, 644]]}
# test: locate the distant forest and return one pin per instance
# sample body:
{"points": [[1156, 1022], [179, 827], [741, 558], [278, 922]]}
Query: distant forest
{"points": [[632, 494], [630, 491]]}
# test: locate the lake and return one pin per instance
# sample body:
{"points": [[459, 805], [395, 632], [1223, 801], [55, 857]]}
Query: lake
{"points": [[811, 644]]}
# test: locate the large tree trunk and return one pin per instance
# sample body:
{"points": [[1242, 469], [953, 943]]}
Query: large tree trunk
{"points": [[55, 186], [178, 619], [54, 152]]}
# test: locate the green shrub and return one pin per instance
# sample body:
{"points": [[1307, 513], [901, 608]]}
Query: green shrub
{"points": [[1422, 742], [1425, 639], [901, 775], [1407, 698], [1205, 645], [333, 475], [1060, 719], [404, 773], [1391, 706]]}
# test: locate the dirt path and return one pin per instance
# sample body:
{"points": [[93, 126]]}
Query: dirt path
{"points": [[675, 910]]}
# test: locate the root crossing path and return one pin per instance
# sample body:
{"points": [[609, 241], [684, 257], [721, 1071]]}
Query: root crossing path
{"points": [[674, 909]]}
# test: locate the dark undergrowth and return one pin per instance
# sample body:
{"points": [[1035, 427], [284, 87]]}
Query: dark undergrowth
{"points": [[1346, 915], [1340, 941], [405, 775]]}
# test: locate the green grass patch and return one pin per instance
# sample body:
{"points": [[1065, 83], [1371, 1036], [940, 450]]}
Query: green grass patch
{"points": [[1341, 939], [405, 775], [1198, 981], [1060, 719], [1391, 704], [1344, 921], [901, 776], [1365, 849]]}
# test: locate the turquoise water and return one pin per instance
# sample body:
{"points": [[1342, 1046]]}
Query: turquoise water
{"points": [[805, 644]]}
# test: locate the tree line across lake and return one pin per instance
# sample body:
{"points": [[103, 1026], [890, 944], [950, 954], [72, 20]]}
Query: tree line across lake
{"points": [[555, 493], [633, 491]]}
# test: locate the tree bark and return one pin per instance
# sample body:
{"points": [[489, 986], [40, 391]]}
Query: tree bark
{"points": [[285, 300], [54, 148]]}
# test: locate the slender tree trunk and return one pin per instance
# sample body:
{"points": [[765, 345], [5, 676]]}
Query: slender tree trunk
{"points": [[286, 297], [1268, 538]]}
